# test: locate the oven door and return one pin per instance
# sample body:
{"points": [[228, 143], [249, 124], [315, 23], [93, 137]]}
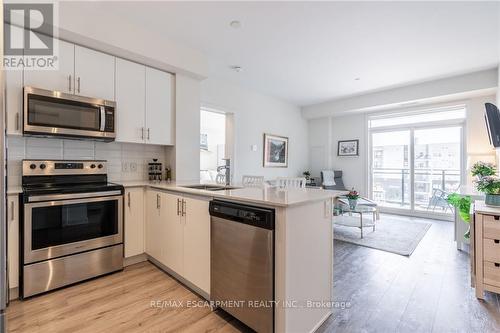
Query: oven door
{"points": [[61, 227], [52, 113]]}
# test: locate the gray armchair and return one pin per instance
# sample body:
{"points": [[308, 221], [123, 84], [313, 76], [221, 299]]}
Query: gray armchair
{"points": [[339, 184]]}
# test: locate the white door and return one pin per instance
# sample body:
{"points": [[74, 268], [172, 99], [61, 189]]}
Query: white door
{"points": [[172, 239], [130, 95], [159, 107], [134, 222], [94, 74], [62, 79], [197, 243], [154, 226]]}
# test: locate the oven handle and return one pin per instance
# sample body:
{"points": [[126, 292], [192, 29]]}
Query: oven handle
{"points": [[71, 202], [103, 119], [62, 197]]}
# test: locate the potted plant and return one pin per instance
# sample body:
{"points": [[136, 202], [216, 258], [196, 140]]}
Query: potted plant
{"points": [[487, 182], [353, 197], [490, 186], [307, 175], [462, 203], [482, 169]]}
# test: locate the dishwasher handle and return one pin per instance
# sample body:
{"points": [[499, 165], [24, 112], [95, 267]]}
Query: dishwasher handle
{"points": [[235, 212]]}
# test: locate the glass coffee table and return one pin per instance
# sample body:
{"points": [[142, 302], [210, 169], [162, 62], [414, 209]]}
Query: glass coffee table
{"points": [[345, 217]]}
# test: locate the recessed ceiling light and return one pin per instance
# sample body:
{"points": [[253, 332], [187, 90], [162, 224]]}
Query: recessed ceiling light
{"points": [[357, 79], [235, 24], [236, 68]]}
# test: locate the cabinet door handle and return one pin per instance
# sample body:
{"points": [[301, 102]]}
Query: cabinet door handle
{"points": [[497, 241], [149, 130], [12, 210], [17, 121], [178, 207], [128, 198], [78, 81], [497, 264], [183, 207], [158, 201], [142, 133], [69, 83]]}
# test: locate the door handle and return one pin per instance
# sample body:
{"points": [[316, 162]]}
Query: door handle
{"points": [[128, 198], [183, 208], [158, 201], [142, 133], [12, 210], [78, 81], [69, 83], [178, 206], [17, 121], [149, 130]]}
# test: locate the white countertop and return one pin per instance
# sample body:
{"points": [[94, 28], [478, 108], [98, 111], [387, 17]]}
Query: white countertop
{"points": [[482, 208], [267, 195]]}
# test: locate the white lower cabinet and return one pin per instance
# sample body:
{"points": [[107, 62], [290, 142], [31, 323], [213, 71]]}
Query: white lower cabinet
{"points": [[13, 240], [134, 221], [178, 235]]}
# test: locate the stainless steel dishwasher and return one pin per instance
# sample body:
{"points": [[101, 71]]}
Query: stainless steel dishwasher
{"points": [[242, 263]]}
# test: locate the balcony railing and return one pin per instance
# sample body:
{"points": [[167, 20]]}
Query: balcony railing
{"points": [[391, 186]]}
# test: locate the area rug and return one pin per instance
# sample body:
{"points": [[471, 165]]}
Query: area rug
{"points": [[391, 234]]}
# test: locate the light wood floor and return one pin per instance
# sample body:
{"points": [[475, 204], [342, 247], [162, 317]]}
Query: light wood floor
{"points": [[428, 292], [119, 302]]}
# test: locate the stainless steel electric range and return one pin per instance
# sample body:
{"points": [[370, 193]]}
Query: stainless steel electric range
{"points": [[72, 227]]}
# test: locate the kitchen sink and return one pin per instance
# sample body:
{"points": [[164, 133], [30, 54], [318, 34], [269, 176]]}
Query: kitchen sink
{"points": [[208, 187]]}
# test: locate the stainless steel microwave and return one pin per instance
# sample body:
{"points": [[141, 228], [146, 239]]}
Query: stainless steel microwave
{"points": [[53, 113]]}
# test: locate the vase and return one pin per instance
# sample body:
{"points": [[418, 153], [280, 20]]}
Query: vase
{"points": [[492, 199], [353, 203]]}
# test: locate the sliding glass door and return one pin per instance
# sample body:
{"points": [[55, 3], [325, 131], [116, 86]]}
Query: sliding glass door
{"points": [[438, 159], [391, 168], [414, 167]]}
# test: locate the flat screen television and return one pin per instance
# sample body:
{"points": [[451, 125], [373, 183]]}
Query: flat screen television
{"points": [[492, 117]]}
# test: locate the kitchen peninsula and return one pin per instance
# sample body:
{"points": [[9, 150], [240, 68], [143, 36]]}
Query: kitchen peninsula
{"points": [[303, 243]]}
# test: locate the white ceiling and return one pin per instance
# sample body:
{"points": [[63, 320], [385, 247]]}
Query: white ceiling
{"points": [[307, 52]]}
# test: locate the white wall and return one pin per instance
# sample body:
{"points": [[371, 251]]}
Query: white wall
{"points": [[186, 154], [355, 127], [327, 132], [120, 156], [452, 88], [254, 115]]}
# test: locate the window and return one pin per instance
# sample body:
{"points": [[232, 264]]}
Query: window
{"points": [[416, 159], [212, 143]]}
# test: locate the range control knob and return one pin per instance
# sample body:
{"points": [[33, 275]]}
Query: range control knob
{"points": [[42, 166], [100, 166], [32, 166], [92, 166]]}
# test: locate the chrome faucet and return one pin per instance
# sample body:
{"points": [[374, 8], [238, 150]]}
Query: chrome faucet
{"points": [[226, 167]]}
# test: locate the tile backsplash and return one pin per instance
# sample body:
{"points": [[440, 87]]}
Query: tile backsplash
{"points": [[126, 161]]}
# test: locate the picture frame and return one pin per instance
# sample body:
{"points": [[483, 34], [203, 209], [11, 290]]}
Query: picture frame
{"points": [[275, 151], [348, 148]]}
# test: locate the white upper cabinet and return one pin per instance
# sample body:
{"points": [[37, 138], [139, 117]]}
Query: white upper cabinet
{"points": [[14, 101], [62, 79], [159, 107], [94, 74], [130, 95]]}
